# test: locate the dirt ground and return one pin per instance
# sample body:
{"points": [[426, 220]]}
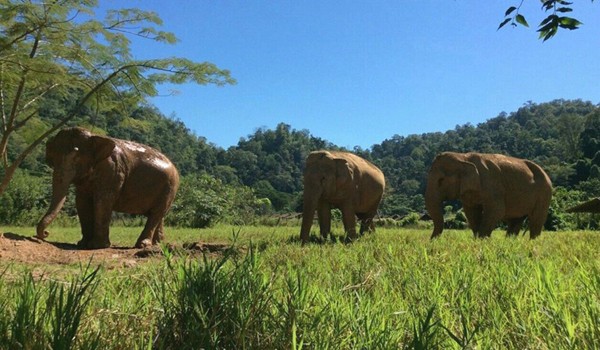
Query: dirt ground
{"points": [[31, 250]]}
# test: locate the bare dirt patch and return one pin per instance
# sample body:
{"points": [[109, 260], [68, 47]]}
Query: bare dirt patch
{"points": [[31, 250]]}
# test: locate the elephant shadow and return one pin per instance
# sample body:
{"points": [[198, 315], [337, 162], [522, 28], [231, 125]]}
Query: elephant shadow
{"points": [[316, 239], [60, 245]]}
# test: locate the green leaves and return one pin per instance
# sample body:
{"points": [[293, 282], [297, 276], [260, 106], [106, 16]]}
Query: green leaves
{"points": [[550, 25], [513, 20], [504, 22], [509, 11], [60, 47]]}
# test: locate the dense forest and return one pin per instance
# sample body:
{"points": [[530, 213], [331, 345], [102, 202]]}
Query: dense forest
{"points": [[262, 174]]}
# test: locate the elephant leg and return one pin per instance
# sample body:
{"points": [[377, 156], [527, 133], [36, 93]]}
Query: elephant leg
{"points": [[349, 220], [159, 233], [491, 215], [153, 222], [367, 224], [85, 211], [514, 226], [535, 228], [324, 217], [536, 221], [103, 206], [473, 214]]}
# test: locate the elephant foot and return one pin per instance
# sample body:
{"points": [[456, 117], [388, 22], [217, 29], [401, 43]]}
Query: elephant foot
{"points": [[42, 235], [144, 243], [435, 234], [349, 239], [86, 244]]}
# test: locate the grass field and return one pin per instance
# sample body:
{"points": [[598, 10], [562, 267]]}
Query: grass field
{"points": [[393, 289]]}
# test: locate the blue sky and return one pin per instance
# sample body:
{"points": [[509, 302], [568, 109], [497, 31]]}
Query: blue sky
{"points": [[358, 72]]}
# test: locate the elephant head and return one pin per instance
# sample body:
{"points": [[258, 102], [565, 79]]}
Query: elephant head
{"points": [[72, 154], [326, 178], [451, 177]]}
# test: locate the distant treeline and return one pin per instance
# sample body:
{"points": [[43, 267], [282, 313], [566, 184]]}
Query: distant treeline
{"points": [[265, 168]]}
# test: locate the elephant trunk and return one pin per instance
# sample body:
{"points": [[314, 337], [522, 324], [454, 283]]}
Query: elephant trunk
{"points": [[308, 214], [433, 202], [60, 188]]}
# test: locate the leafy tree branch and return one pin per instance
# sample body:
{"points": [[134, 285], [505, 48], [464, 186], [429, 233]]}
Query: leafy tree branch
{"points": [[59, 47], [550, 25]]}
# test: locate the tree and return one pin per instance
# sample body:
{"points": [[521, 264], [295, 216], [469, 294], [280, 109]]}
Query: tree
{"points": [[59, 48], [590, 136], [550, 25]]}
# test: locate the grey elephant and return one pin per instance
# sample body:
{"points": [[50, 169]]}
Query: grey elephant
{"points": [[109, 175], [340, 180], [491, 187]]}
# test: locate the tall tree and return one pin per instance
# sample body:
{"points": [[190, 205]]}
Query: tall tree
{"points": [[58, 47]]}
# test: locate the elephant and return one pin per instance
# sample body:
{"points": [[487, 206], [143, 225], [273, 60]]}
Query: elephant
{"points": [[591, 206], [491, 187], [109, 175], [340, 180]]}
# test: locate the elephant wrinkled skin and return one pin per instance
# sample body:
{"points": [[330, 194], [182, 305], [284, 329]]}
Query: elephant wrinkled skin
{"points": [[344, 181], [109, 175], [491, 187]]}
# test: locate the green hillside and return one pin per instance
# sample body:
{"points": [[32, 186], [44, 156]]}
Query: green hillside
{"points": [[563, 136]]}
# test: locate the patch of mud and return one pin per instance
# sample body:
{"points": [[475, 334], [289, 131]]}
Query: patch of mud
{"points": [[32, 250]]}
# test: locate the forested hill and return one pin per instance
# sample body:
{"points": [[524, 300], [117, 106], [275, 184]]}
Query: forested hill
{"points": [[562, 136]]}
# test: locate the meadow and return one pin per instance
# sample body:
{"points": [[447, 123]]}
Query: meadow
{"points": [[394, 289]]}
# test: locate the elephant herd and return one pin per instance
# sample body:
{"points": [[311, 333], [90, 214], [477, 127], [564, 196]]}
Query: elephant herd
{"points": [[118, 175], [491, 187]]}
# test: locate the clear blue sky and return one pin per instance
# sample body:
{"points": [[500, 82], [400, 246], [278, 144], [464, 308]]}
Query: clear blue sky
{"points": [[358, 72]]}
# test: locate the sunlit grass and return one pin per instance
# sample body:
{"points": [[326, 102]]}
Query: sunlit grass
{"points": [[391, 289]]}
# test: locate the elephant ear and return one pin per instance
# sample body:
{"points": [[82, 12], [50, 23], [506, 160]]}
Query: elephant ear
{"points": [[469, 179], [102, 147], [50, 149], [343, 174]]}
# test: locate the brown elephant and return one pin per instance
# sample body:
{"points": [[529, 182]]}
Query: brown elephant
{"points": [[491, 187], [109, 175], [591, 206], [344, 181]]}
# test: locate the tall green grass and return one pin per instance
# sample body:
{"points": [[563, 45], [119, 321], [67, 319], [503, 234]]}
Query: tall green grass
{"points": [[389, 290]]}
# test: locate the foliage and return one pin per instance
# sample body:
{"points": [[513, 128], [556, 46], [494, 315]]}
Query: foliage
{"points": [[272, 162], [25, 201], [394, 289], [561, 136], [214, 306], [60, 49], [28, 198], [203, 200], [550, 25], [49, 315]]}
